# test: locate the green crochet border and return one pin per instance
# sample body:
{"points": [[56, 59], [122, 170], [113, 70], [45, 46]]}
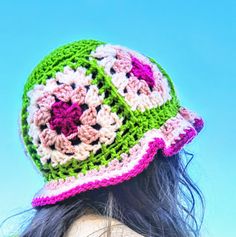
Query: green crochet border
{"points": [[77, 54]]}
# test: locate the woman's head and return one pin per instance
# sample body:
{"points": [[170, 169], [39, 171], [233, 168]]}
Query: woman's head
{"points": [[161, 201], [96, 117]]}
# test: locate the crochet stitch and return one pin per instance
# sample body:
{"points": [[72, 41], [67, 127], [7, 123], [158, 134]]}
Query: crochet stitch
{"points": [[95, 114]]}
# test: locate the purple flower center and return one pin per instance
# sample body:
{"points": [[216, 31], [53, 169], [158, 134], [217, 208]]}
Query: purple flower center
{"points": [[142, 71], [65, 117]]}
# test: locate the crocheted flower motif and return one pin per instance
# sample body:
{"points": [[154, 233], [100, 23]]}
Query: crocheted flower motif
{"points": [[68, 119], [138, 80]]}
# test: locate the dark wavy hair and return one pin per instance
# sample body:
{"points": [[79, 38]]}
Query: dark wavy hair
{"points": [[159, 202]]}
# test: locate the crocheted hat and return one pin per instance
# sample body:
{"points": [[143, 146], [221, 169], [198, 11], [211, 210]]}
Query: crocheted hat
{"points": [[95, 114]]}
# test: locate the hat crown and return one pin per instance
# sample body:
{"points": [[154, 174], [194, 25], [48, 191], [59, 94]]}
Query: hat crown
{"points": [[123, 89], [94, 115]]}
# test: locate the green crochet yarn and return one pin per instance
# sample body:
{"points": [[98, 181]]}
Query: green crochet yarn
{"points": [[77, 54]]}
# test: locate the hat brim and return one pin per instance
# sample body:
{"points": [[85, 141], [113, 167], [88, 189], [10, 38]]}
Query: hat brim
{"points": [[170, 138]]}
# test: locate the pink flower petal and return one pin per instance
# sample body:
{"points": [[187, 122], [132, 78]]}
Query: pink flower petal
{"points": [[144, 88], [133, 85], [42, 116], [63, 92], [78, 95], [48, 137], [87, 134], [64, 145], [123, 62], [46, 100], [89, 116]]}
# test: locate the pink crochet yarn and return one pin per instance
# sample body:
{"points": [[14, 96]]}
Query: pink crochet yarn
{"points": [[142, 71], [153, 146], [64, 117], [96, 114]]}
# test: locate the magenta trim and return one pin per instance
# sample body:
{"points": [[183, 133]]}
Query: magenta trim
{"points": [[185, 137], [142, 164], [198, 124]]}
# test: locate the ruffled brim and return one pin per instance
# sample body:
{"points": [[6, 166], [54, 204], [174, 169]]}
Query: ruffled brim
{"points": [[170, 138]]}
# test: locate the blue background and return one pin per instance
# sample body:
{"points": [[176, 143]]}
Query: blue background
{"points": [[193, 40]]}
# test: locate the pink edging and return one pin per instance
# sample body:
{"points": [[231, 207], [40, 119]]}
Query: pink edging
{"points": [[142, 164], [156, 144], [185, 138], [198, 124]]}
